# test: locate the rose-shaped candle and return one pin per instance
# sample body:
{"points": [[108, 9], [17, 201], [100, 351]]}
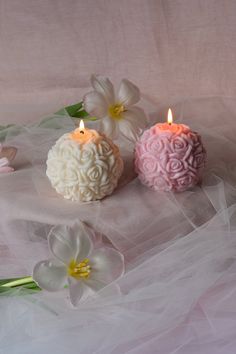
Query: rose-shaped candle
{"points": [[170, 157], [84, 165]]}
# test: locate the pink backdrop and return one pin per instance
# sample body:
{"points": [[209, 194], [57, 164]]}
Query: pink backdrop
{"points": [[171, 49]]}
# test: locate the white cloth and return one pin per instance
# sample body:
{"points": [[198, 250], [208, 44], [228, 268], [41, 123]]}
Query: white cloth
{"points": [[178, 293]]}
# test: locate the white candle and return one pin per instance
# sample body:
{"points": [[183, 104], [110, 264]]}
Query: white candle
{"points": [[84, 165], [83, 135]]}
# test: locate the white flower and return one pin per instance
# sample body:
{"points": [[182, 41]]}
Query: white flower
{"points": [[77, 264], [115, 113], [7, 155]]}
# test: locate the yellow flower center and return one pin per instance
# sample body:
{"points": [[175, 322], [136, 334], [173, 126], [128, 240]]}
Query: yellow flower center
{"points": [[79, 270], [116, 110]]}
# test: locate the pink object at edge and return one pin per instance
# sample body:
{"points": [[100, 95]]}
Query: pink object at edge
{"points": [[7, 154], [170, 158]]}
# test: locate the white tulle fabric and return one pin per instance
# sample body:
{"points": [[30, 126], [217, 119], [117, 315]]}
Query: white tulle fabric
{"points": [[178, 295]]}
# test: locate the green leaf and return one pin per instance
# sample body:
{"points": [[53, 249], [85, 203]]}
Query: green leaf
{"points": [[80, 114], [4, 289], [75, 111], [4, 130], [72, 110], [32, 286]]}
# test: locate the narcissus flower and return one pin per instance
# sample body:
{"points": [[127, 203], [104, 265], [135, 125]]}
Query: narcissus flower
{"points": [[77, 263], [116, 113]]}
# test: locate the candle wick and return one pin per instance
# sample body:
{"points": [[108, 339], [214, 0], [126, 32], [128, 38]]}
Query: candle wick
{"points": [[169, 123], [81, 132]]}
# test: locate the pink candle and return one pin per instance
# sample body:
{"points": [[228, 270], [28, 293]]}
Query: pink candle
{"points": [[170, 157]]}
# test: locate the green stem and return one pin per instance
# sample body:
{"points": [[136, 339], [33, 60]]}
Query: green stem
{"points": [[18, 282]]}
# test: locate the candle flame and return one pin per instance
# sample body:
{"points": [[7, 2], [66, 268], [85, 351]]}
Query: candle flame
{"points": [[81, 124], [170, 117]]}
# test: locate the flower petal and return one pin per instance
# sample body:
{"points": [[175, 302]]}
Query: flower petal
{"points": [[76, 290], [128, 130], [107, 264], [84, 244], [8, 152], [95, 104], [4, 162], [68, 243], [133, 122], [50, 275], [104, 86], [136, 116], [95, 236], [62, 243], [128, 93], [94, 285], [108, 126], [6, 169], [5, 165]]}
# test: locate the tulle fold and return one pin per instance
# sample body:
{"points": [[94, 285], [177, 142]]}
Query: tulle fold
{"points": [[178, 292]]}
